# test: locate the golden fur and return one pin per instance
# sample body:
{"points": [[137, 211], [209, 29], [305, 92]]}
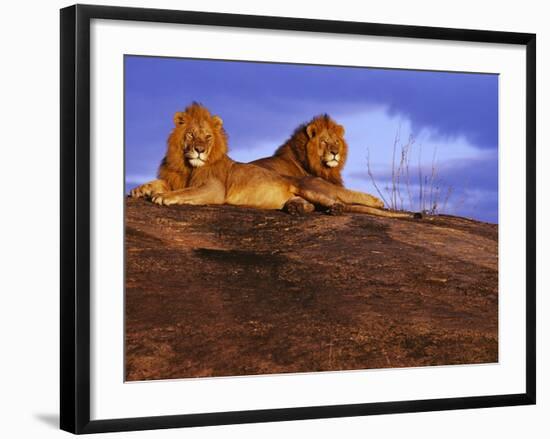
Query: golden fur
{"points": [[197, 170]]}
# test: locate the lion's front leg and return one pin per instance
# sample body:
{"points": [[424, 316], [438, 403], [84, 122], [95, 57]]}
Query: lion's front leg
{"points": [[354, 197], [150, 189], [212, 193], [341, 194], [317, 191]]}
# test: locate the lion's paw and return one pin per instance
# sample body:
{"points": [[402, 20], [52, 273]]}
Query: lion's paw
{"points": [[142, 191], [336, 209], [163, 199], [299, 207]]}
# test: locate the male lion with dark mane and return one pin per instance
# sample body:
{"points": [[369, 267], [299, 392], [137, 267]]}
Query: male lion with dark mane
{"points": [[316, 148], [316, 153], [197, 170]]}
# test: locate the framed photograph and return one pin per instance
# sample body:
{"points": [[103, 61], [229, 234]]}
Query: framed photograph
{"points": [[268, 218]]}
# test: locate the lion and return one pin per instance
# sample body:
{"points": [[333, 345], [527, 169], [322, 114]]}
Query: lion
{"points": [[316, 154], [197, 170]]}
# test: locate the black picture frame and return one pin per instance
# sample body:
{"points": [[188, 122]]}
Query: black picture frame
{"points": [[75, 217]]}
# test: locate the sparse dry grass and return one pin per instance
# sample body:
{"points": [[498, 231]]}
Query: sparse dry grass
{"points": [[432, 193]]}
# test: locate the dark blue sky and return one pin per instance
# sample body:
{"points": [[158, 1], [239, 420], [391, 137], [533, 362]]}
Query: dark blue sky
{"points": [[454, 115]]}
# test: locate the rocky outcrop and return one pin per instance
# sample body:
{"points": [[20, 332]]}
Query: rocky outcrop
{"points": [[221, 290]]}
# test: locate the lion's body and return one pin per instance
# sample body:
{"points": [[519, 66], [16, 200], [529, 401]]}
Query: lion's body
{"points": [[230, 182]]}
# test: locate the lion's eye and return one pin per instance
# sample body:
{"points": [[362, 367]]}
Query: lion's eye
{"points": [[208, 136]]}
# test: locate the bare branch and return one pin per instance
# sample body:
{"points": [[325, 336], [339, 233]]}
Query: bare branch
{"points": [[393, 176], [430, 186], [400, 170], [408, 159], [371, 175], [421, 192], [432, 178]]}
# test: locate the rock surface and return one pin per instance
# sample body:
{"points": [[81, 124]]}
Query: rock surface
{"points": [[220, 290]]}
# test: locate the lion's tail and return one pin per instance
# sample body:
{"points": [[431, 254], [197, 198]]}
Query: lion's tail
{"points": [[379, 212]]}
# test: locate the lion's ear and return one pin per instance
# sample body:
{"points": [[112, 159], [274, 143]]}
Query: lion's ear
{"points": [[311, 130], [179, 118], [340, 130], [217, 121]]}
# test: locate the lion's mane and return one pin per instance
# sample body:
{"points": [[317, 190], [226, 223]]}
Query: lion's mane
{"points": [[174, 169], [303, 150]]}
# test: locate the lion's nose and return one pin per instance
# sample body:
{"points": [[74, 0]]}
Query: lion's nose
{"points": [[199, 148], [334, 152]]}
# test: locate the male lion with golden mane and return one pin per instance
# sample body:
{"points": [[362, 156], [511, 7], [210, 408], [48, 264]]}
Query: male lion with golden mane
{"points": [[316, 153], [197, 170]]}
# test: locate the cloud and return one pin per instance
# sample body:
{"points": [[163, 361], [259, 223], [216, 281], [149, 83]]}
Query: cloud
{"points": [[267, 99]]}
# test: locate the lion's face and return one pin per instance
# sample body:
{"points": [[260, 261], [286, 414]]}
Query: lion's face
{"points": [[197, 143], [329, 148], [198, 135], [326, 142]]}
